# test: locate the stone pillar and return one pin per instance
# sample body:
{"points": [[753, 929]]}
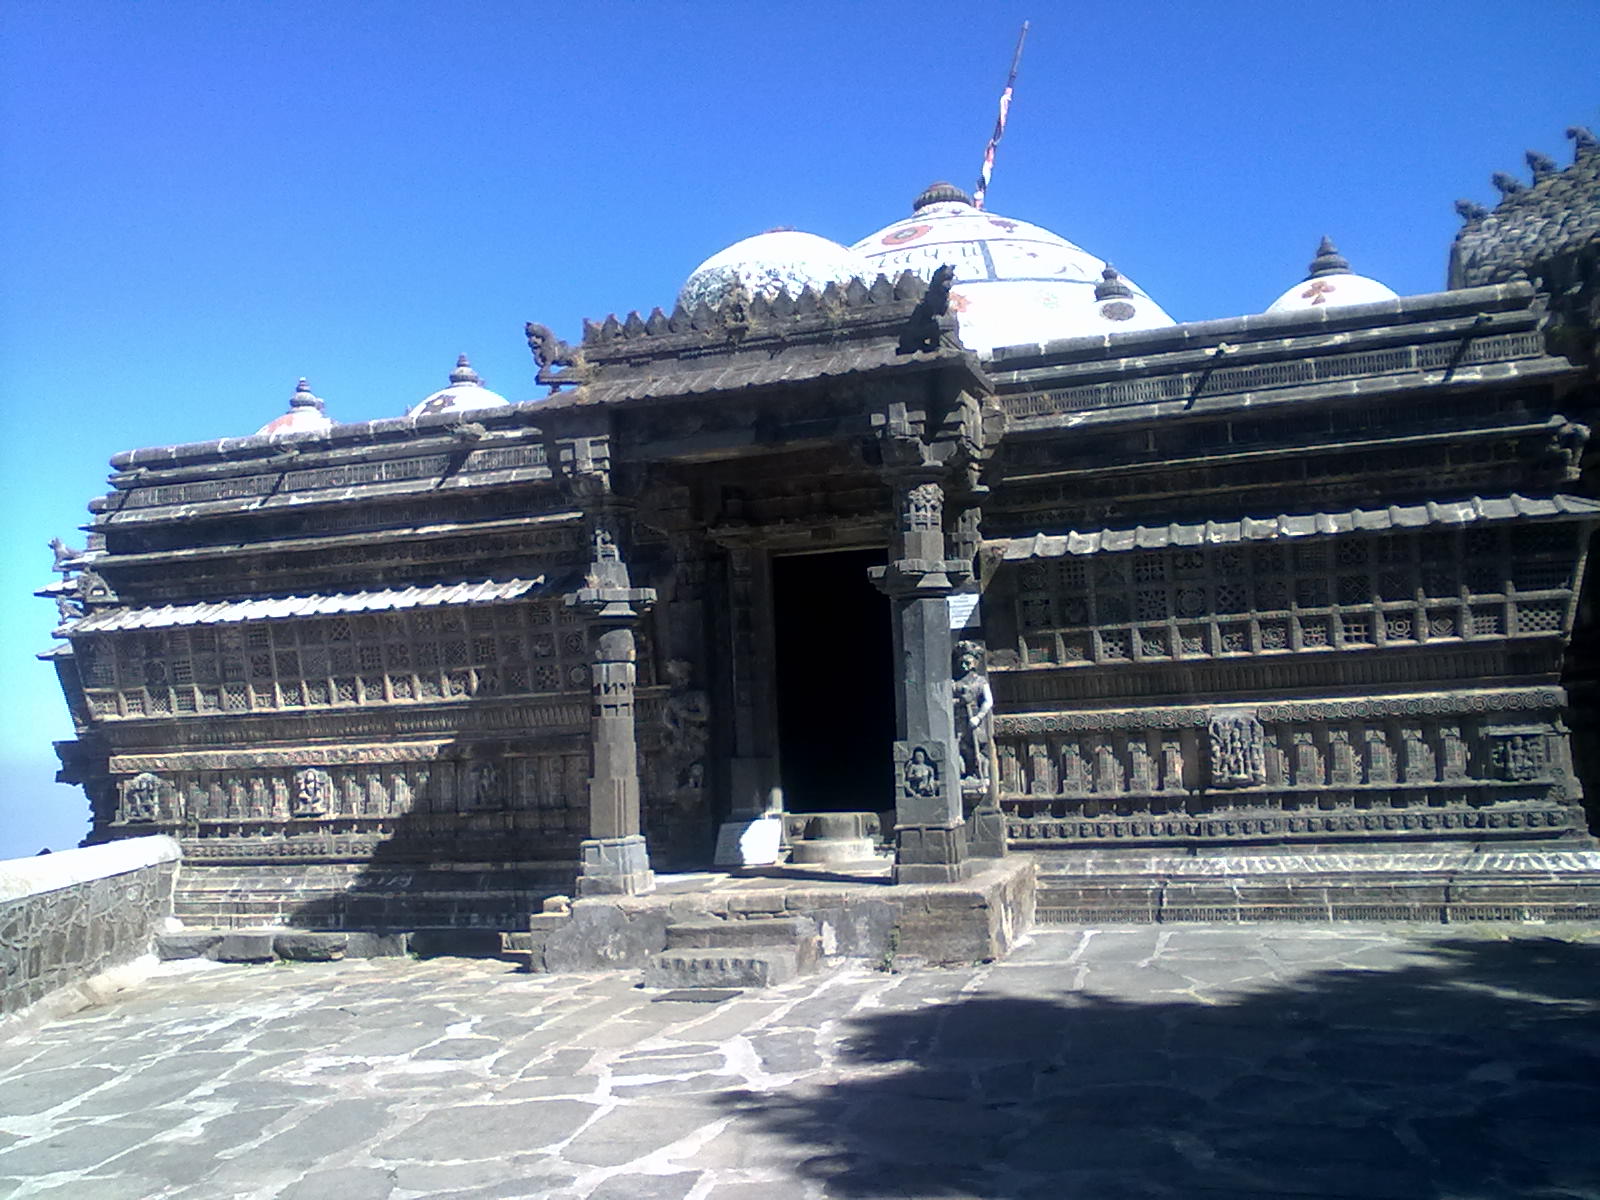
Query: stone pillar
{"points": [[930, 833], [613, 858], [751, 834]]}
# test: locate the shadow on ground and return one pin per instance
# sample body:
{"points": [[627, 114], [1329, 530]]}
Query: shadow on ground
{"points": [[1465, 1069]]}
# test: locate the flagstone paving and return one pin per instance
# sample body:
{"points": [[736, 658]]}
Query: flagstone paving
{"points": [[1184, 1061]]}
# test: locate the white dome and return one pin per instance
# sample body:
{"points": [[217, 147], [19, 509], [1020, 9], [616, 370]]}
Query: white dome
{"points": [[1331, 282], [1016, 284], [306, 415], [769, 263], [466, 392]]}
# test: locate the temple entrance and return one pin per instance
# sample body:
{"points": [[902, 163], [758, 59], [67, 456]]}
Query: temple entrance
{"points": [[835, 682]]}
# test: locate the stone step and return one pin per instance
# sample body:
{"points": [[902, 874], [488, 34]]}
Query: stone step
{"points": [[756, 931], [1397, 887], [243, 944], [742, 967], [347, 896]]}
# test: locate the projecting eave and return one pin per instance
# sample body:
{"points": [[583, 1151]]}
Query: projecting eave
{"points": [[343, 436], [1471, 511]]}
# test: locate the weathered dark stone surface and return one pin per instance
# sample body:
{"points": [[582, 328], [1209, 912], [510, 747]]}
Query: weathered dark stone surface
{"points": [[601, 936], [1248, 1061]]}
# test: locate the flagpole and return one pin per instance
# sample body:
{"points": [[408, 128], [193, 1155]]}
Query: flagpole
{"points": [[1000, 123]]}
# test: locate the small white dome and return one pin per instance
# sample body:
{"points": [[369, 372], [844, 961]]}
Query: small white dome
{"points": [[781, 260], [1016, 283], [1331, 282], [307, 414], [466, 392]]}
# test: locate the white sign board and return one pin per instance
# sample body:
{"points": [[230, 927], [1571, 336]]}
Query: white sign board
{"points": [[964, 610], [749, 843]]}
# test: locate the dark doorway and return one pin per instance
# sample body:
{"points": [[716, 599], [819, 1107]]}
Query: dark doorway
{"points": [[835, 665]]}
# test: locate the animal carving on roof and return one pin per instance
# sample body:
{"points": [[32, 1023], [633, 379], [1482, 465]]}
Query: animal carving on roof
{"points": [[551, 354]]}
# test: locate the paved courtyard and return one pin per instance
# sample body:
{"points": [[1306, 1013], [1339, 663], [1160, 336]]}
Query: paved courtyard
{"points": [[1249, 1061]]}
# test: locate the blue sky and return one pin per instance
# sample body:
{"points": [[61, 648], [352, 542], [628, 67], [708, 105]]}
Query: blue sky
{"points": [[203, 201]]}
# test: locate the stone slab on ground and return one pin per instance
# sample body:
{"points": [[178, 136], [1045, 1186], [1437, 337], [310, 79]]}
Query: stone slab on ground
{"points": [[1242, 1061]]}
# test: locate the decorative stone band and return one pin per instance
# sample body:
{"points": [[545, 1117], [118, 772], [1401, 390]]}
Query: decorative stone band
{"points": [[553, 719], [1510, 699], [278, 756], [1543, 819]]}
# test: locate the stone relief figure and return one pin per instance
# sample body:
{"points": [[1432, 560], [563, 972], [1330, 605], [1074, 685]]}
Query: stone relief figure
{"points": [[925, 506], [1518, 756], [921, 775], [1238, 749], [686, 716], [974, 703], [313, 789], [141, 799], [482, 785]]}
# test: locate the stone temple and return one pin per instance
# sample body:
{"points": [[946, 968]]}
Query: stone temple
{"points": [[950, 543]]}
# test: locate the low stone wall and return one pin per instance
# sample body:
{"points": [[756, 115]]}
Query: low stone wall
{"points": [[67, 918]]}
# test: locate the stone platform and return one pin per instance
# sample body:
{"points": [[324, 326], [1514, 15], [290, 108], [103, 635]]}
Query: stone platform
{"points": [[1241, 1062], [856, 912], [1436, 884]]}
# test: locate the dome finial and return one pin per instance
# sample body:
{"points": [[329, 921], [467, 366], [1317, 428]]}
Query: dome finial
{"points": [[464, 372], [303, 397], [940, 192], [1111, 286], [307, 414], [1328, 260]]}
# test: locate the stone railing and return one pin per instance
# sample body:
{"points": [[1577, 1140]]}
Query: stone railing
{"points": [[67, 919]]}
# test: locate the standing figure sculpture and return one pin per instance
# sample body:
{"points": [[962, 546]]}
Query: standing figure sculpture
{"points": [[973, 704]]}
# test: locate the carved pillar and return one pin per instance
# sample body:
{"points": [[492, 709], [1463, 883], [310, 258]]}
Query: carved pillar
{"points": [[930, 833], [1344, 769], [614, 858], [1171, 763], [1417, 763], [1452, 752]]}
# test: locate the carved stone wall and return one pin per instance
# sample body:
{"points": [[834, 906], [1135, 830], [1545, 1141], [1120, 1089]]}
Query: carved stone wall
{"points": [[423, 656], [1442, 765], [1333, 593]]}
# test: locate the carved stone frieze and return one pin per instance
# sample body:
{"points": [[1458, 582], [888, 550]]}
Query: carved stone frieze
{"points": [[1453, 702], [1310, 826]]}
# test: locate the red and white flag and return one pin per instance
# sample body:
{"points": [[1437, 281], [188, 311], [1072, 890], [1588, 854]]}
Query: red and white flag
{"points": [[1000, 122]]}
